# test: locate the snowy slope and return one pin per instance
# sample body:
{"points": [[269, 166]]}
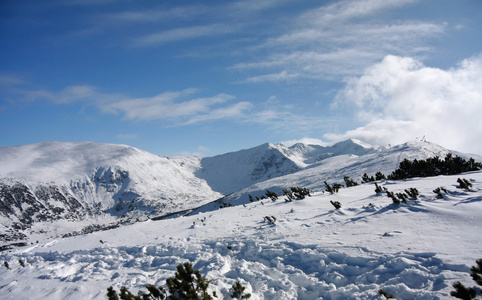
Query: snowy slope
{"points": [[414, 250], [55, 181], [335, 168], [82, 187], [233, 171]]}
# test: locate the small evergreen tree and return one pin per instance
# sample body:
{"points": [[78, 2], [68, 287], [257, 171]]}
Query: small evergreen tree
{"points": [[439, 191], [349, 182], [333, 188], [378, 189], [5, 263], [379, 176], [271, 220], [412, 193], [188, 284], [463, 292], [238, 291], [464, 184], [366, 178], [272, 195], [112, 294], [336, 204], [385, 294]]}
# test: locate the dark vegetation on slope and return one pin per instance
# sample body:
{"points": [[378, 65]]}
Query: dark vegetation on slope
{"points": [[187, 284], [463, 292], [434, 166]]}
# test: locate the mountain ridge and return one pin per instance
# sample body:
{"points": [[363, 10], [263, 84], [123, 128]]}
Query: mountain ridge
{"points": [[55, 181]]}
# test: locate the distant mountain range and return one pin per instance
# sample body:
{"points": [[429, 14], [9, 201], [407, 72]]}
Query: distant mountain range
{"points": [[101, 184]]}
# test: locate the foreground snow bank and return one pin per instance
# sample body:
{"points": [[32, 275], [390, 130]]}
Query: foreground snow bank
{"points": [[414, 250]]}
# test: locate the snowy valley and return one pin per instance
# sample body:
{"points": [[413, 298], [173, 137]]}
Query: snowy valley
{"points": [[165, 211]]}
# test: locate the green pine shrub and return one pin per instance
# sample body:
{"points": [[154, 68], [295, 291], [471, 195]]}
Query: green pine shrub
{"points": [[238, 291], [379, 176], [272, 195], [187, 284], [412, 193], [378, 189], [439, 191], [464, 184], [271, 220], [434, 166], [336, 204], [463, 292], [349, 182], [385, 294], [366, 178]]}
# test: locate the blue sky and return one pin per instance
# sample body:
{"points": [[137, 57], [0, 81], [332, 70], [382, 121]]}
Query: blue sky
{"points": [[208, 77]]}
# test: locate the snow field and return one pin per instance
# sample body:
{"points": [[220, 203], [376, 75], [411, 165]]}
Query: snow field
{"points": [[414, 251]]}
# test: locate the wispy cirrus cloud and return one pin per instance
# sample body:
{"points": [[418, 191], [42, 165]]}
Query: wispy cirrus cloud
{"points": [[339, 39], [174, 108], [179, 34]]}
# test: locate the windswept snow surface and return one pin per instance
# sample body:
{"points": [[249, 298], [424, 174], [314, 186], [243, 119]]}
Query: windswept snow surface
{"points": [[414, 250]]}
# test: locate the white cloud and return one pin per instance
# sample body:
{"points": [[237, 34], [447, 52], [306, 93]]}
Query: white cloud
{"points": [[183, 33], [281, 76], [340, 39], [400, 99], [341, 11]]}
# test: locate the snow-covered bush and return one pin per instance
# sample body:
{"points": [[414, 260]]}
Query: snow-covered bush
{"points": [[464, 184], [463, 292], [333, 188], [187, 284], [238, 291], [336, 204], [439, 191], [349, 182]]}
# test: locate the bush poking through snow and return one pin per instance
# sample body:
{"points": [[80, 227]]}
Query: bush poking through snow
{"points": [[476, 272], [289, 195], [296, 193], [464, 184], [333, 188], [412, 193], [385, 294], [366, 178], [463, 292], [439, 191], [238, 291], [380, 176], [336, 204], [271, 220], [187, 284], [272, 195], [349, 182], [378, 189], [392, 196]]}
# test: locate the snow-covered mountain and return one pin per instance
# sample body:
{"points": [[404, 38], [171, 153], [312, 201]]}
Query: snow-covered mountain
{"points": [[233, 171], [56, 181], [98, 183]]}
